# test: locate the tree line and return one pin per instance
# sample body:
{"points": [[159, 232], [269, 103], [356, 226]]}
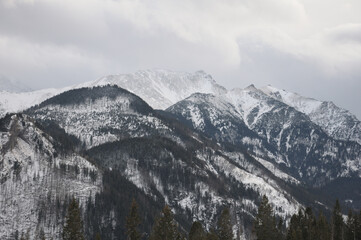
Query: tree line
{"points": [[164, 228], [306, 226], [266, 226]]}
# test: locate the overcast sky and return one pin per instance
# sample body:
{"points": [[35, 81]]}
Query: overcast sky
{"points": [[305, 46]]}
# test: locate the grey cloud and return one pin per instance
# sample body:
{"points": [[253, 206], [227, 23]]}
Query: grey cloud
{"points": [[265, 65], [282, 43], [346, 33]]}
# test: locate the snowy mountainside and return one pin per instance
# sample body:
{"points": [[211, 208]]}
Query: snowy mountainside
{"points": [[313, 155], [337, 122], [218, 118], [36, 180], [161, 156], [162, 88], [194, 185], [308, 152], [159, 88], [100, 114]]}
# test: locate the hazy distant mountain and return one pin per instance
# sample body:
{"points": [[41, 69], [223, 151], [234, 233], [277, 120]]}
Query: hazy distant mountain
{"points": [[11, 86], [12, 102]]}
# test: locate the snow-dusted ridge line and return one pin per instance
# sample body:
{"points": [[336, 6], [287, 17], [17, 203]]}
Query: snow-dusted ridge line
{"points": [[163, 88], [159, 88], [335, 121]]}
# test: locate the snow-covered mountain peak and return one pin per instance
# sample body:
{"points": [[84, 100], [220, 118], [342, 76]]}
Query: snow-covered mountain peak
{"points": [[162, 88], [251, 88], [249, 101], [159, 88], [337, 122], [302, 104]]}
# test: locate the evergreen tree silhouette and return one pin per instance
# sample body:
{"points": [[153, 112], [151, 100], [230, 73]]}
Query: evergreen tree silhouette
{"points": [[165, 227], [337, 222], [73, 228], [265, 223], [224, 225], [197, 232], [133, 221]]}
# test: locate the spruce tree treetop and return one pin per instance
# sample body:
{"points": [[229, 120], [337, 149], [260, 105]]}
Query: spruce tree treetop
{"points": [[197, 232], [212, 235], [350, 232], [323, 228], [337, 222], [73, 228], [165, 227], [265, 223], [133, 221], [224, 225]]}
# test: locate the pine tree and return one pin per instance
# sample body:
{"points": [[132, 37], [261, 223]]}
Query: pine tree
{"points": [[212, 235], [350, 226], [224, 225], [133, 221], [73, 228], [358, 226], [97, 236], [197, 232], [295, 228], [165, 227], [265, 224], [323, 228], [309, 225], [337, 222]]}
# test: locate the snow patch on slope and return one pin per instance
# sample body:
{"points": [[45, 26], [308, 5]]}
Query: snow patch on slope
{"points": [[248, 102], [268, 187]]}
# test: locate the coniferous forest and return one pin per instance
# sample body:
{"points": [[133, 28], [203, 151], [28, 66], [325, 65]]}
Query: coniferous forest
{"points": [[304, 225]]}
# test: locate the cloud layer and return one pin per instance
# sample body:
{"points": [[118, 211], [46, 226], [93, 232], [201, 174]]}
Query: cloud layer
{"points": [[313, 48]]}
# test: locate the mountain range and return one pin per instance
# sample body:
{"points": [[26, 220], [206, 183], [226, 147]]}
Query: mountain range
{"points": [[173, 138]]}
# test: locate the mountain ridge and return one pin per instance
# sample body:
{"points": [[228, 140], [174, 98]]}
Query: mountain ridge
{"points": [[337, 122], [206, 151]]}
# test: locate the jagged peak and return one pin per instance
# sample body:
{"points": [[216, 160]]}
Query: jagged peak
{"points": [[270, 88], [251, 88]]}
